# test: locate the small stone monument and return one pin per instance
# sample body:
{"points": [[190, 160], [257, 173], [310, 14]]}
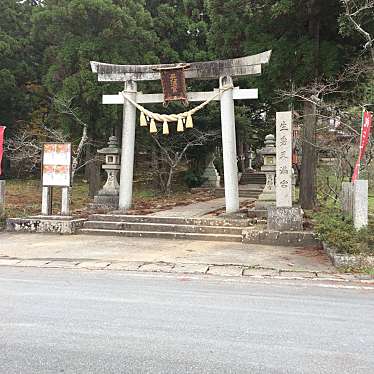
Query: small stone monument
{"points": [[267, 197], [354, 199], [360, 203], [211, 176], [108, 196]]}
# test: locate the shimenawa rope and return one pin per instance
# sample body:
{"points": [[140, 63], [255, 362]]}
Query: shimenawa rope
{"points": [[166, 118]]}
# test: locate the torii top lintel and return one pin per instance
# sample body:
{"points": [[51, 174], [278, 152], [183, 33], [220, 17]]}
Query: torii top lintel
{"points": [[249, 65]]}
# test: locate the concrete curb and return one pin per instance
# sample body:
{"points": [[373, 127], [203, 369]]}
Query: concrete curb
{"points": [[227, 270]]}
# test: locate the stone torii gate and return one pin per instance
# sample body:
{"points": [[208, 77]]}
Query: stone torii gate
{"points": [[224, 70]]}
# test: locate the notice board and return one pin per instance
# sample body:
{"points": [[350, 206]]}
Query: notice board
{"points": [[56, 164]]}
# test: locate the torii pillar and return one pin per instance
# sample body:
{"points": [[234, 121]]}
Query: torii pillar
{"points": [[223, 69], [128, 148], [230, 165]]}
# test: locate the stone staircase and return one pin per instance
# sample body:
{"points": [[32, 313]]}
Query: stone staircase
{"points": [[252, 192], [212, 229], [252, 178], [251, 186]]}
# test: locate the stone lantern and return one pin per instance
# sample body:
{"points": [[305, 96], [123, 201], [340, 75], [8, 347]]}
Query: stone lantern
{"points": [[108, 196], [251, 157], [267, 197]]}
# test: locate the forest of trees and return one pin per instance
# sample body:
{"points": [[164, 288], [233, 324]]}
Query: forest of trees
{"points": [[322, 52]]}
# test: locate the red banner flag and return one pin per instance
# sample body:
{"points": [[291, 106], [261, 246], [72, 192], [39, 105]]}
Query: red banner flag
{"points": [[2, 130], [365, 135]]}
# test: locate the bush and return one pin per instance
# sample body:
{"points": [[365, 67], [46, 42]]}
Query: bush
{"points": [[192, 179], [338, 231]]}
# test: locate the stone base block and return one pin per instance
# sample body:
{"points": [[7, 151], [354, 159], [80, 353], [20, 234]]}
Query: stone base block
{"points": [[105, 202], [348, 261], [45, 224], [258, 213], [285, 238], [285, 219], [261, 204], [211, 183]]}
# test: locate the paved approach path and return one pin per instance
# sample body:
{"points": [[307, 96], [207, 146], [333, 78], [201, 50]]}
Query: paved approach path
{"points": [[196, 209], [61, 321], [26, 246], [168, 256]]}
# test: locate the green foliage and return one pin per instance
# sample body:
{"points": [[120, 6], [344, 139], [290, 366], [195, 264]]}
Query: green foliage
{"points": [[338, 232], [241, 28], [192, 179], [46, 47], [74, 32], [16, 63]]}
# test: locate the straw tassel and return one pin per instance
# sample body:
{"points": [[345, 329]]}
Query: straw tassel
{"points": [[189, 123], [165, 128], [180, 125], [152, 126], [143, 120]]}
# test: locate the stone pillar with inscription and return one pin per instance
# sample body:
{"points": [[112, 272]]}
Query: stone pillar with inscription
{"points": [[283, 216], [284, 159]]}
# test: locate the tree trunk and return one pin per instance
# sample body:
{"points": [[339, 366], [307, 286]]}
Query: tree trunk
{"points": [[88, 157], [241, 156], [246, 155], [309, 158], [168, 183], [309, 162], [94, 180]]}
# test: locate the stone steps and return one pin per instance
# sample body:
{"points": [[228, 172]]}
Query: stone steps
{"points": [[113, 217], [212, 229], [165, 235], [192, 228], [253, 178], [161, 227], [247, 193]]}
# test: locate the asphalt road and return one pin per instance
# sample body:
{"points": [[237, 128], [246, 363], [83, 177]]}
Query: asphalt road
{"points": [[61, 321]]}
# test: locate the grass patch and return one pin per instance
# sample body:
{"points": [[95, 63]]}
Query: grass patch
{"points": [[23, 198]]}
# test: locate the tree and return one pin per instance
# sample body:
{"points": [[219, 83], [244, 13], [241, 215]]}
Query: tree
{"points": [[25, 146], [173, 150], [338, 125], [359, 14], [16, 63], [302, 35], [71, 33]]}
